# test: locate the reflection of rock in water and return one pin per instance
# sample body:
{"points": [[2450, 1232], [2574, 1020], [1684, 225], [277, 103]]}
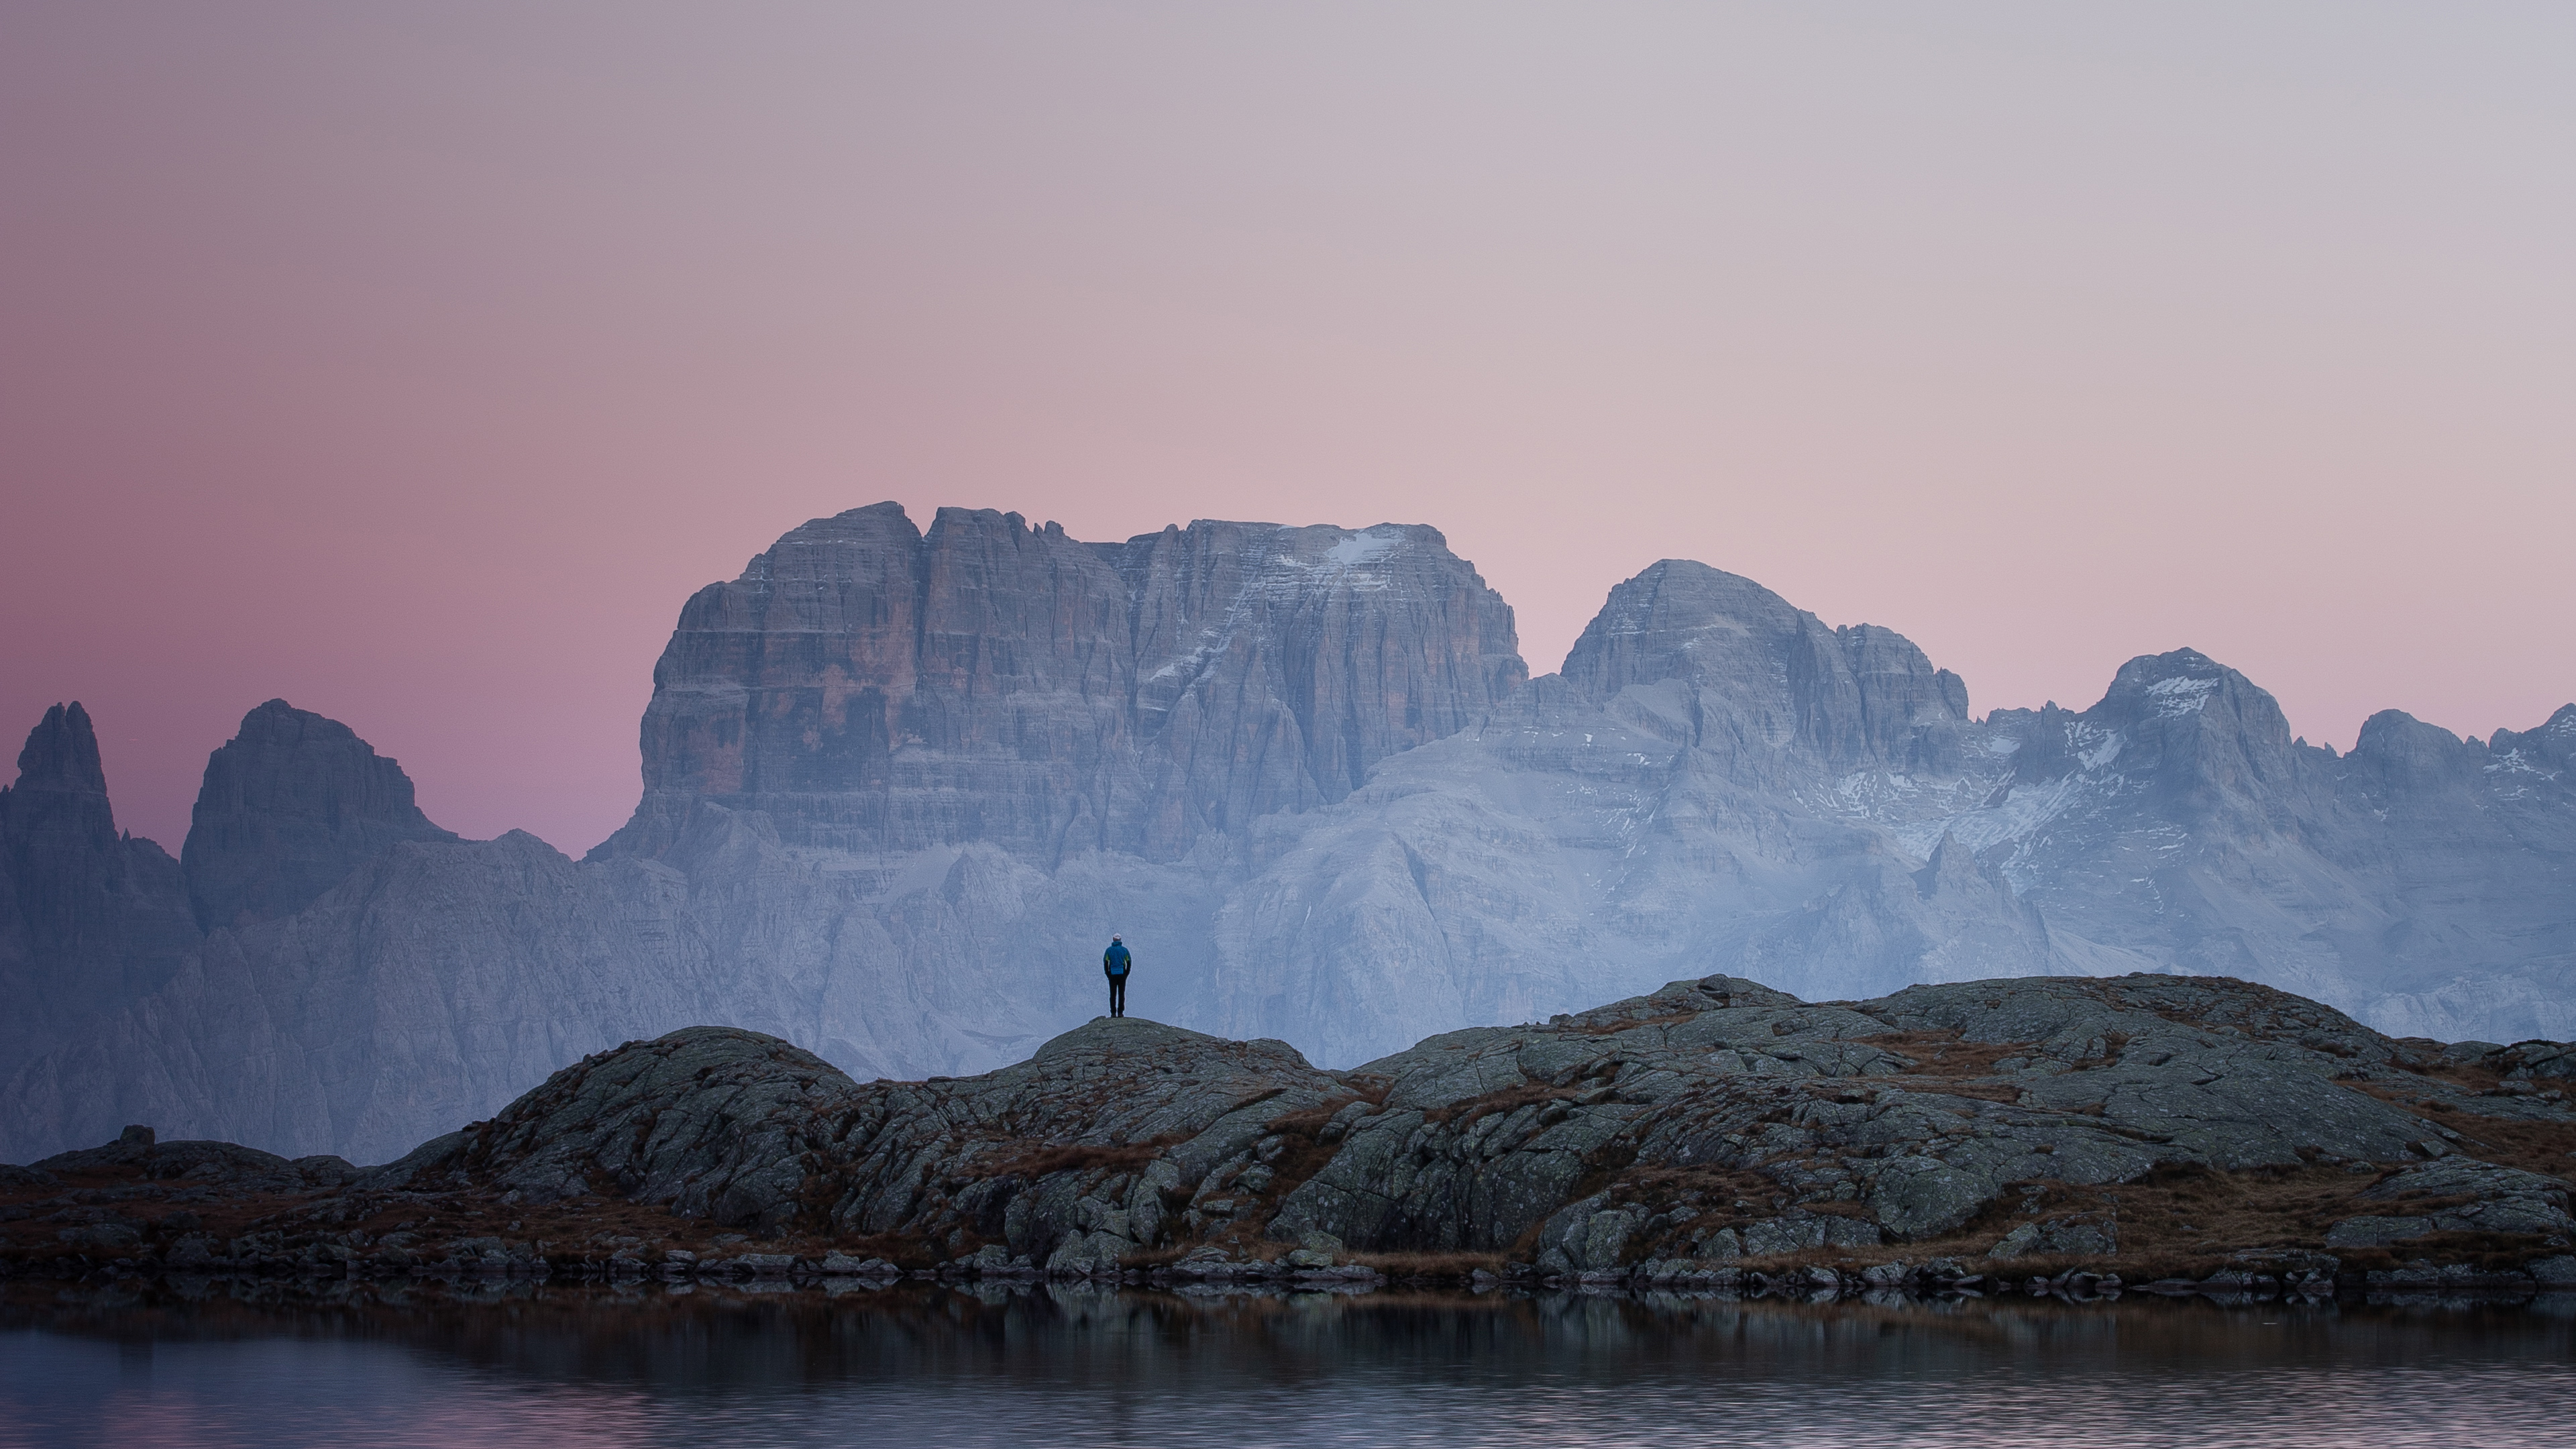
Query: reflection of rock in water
{"points": [[920, 1346]]}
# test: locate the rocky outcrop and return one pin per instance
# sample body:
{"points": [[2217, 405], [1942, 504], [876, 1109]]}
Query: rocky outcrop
{"points": [[89, 919], [2458, 1195], [757, 1134], [290, 806], [2134, 1126], [138, 1153], [714, 1121], [1900, 1112]]}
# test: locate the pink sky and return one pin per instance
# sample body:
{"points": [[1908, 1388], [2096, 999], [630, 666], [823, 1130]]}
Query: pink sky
{"points": [[415, 362]]}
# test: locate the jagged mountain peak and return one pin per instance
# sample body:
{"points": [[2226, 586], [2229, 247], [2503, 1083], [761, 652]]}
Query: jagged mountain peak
{"points": [[61, 754], [61, 793], [1675, 619], [89, 920], [2196, 735], [2551, 745], [849, 523], [1770, 675], [2395, 729], [275, 723], [2146, 670], [289, 806], [2185, 683], [2395, 749]]}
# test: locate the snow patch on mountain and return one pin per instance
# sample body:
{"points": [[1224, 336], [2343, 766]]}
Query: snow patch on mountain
{"points": [[1361, 547]]}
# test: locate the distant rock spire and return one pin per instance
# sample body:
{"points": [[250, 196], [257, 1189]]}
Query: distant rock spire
{"points": [[62, 753], [87, 919], [290, 805], [62, 789]]}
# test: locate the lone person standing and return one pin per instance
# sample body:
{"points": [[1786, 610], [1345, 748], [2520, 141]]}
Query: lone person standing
{"points": [[1114, 962]]}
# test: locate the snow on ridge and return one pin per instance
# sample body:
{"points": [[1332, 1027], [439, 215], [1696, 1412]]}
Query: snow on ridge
{"points": [[2023, 811], [1191, 663], [2512, 763], [1912, 810], [1363, 546], [2180, 695], [2099, 747]]}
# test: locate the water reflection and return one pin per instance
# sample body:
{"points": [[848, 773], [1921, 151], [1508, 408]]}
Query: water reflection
{"points": [[215, 1364]]}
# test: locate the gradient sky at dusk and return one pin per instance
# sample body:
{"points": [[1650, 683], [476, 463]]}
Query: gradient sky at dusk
{"points": [[415, 362]]}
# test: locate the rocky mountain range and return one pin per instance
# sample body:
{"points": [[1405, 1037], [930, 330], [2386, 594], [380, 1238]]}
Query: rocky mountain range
{"points": [[899, 787]]}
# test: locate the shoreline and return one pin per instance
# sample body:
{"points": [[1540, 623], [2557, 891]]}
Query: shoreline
{"points": [[2262, 1276]]}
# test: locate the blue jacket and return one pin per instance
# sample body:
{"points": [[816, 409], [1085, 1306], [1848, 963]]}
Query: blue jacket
{"points": [[1114, 960]]}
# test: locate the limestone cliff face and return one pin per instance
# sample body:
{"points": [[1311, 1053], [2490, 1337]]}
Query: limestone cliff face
{"points": [[873, 689], [89, 919], [1300, 657], [870, 689], [291, 805]]}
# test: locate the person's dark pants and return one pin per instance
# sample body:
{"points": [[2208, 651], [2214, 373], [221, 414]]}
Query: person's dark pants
{"points": [[1117, 996]]}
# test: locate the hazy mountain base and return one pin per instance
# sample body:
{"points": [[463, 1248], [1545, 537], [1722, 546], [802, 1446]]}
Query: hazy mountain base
{"points": [[1718, 782], [2424, 884]]}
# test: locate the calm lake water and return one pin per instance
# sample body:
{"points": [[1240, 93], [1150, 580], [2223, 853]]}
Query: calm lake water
{"points": [[568, 1368]]}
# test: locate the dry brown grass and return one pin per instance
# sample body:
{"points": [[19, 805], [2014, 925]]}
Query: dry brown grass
{"points": [[568, 1227], [1712, 1194], [2543, 1147], [2458, 1074], [1943, 1063], [2178, 1222], [1430, 1267], [1162, 1257], [1301, 1154], [1033, 1160], [1305, 1152], [1308, 1121], [1508, 1099]]}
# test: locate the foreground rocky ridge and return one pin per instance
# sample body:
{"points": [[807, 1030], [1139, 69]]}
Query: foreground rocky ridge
{"points": [[901, 784], [2077, 1131]]}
